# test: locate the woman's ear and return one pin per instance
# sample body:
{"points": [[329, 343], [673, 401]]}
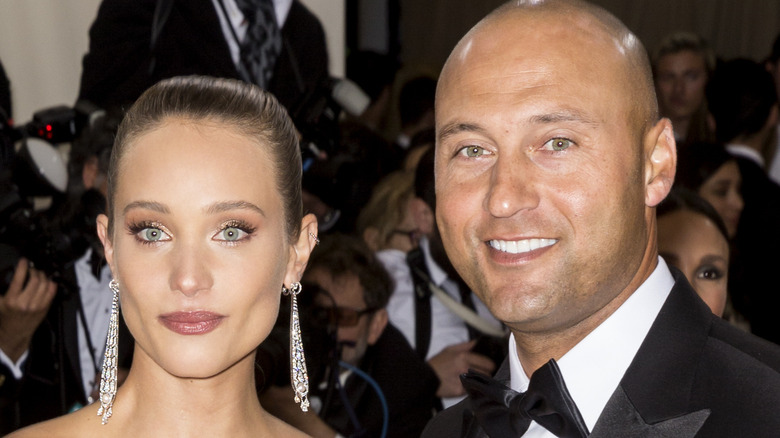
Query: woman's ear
{"points": [[302, 248], [105, 239]]}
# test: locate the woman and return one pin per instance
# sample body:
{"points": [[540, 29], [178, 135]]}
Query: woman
{"points": [[393, 218], [203, 234], [710, 171], [693, 238]]}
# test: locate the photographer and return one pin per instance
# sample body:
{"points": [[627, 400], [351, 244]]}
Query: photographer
{"points": [[351, 287], [52, 332]]}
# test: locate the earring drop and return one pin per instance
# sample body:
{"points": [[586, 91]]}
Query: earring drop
{"points": [[299, 378], [108, 377]]}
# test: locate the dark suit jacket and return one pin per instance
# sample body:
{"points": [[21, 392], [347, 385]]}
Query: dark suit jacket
{"points": [[51, 384], [755, 259], [409, 386], [117, 68], [694, 375]]}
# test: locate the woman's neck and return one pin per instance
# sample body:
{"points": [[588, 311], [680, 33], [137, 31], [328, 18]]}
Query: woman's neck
{"points": [[153, 402]]}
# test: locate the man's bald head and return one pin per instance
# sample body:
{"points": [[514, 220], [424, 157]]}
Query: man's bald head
{"points": [[612, 32]]}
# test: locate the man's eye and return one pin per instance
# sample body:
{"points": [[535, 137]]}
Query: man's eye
{"points": [[153, 235], [474, 151], [557, 144]]}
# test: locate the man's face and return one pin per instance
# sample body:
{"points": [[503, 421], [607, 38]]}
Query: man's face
{"points": [[539, 176], [347, 292], [680, 80]]}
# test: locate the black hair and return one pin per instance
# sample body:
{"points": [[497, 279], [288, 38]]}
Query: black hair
{"points": [[698, 161], [416, 99], [740, 94], [341, 254], [682, 199]]}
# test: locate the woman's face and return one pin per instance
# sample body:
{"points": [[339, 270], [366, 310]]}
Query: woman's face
{"points": [[722, 191], [691, 242], [199, 246]]}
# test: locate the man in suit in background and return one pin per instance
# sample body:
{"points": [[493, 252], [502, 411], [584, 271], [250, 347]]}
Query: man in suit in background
{"points": [[550, 161], [136, 43]]}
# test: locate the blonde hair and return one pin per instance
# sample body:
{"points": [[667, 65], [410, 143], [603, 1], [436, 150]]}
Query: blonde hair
{"points": [[387, 206]]}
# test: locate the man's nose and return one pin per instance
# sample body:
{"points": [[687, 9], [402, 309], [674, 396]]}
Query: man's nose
{"points": [[513, 186]]}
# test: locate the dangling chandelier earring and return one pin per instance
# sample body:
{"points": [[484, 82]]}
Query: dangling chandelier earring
{"points": [[299, 378], [108, 375]]}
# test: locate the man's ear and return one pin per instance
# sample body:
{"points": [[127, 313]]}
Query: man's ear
{"points": [[301, 250], [377, 326], [89, 172], [422, 214], [371, 237], [660, 151], [105, 239]]}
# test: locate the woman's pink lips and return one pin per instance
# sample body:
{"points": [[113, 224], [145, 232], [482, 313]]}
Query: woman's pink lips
{"points": [[191, 323]]}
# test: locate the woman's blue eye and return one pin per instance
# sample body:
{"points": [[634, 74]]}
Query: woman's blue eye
{"points": [[232, 234], [558, 144], [153, 234]]}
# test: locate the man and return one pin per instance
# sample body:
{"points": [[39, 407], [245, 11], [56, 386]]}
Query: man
{"points": [[682, 64], [51, 345], [744, 104], [428, 320], [772, 65], [550, 161], [134, 44], [353, 288]]}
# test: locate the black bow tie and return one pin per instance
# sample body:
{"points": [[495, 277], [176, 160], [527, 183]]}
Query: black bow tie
{"points": [[505, 413]]}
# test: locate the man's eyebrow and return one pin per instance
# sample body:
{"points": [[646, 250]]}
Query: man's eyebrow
{"points": [[147, 205], [562, 116], [453, 128], [220, 207]]}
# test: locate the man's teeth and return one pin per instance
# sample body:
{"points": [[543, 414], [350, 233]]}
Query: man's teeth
{"points": [[520, 246]]}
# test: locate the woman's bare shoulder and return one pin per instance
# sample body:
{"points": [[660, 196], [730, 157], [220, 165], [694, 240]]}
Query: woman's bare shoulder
{"points": [[82, 423]]}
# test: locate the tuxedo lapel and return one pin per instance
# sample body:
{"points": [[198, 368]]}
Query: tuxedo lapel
{"points": [[620, 418], [654, 396]]}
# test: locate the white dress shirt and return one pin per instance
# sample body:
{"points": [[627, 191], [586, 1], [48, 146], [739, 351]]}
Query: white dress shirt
{"points": [[447, 328], [96, 298], [593, 369]]}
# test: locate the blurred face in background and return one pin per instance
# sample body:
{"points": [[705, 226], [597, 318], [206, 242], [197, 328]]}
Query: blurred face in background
{"points": [[680, 81], [722, 190], [692, 243]]}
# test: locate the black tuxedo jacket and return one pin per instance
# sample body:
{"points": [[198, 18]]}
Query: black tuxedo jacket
{"points": [[752, 280], [120, 64], [693, 376], [51, 384], [408, 383]]}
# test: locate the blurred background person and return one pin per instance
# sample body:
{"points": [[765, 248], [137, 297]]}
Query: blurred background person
{"points": [[743, 102], [278, 45], [708, 170], [351, 290], [682, 64], [772, 65], [415, 107], [441, 318], [393, 220], [692, 237], [51, 350]]}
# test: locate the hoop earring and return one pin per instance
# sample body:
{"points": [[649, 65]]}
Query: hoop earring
{"points": [[108, 375], [299, 378]]}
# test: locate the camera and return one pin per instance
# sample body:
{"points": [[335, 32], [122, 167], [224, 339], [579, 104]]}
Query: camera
{"points": [[52, 240]]}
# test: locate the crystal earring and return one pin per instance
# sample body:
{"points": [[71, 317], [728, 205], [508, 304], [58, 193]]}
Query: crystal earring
{"points": [[299, 378], [108, 375]]}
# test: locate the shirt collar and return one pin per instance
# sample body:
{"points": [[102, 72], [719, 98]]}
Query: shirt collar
{"points": [[593, 369], [741, 150], [438, 276]]}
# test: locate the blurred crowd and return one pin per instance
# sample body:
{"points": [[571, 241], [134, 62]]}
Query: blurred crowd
{"points": [[390, 323]]}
